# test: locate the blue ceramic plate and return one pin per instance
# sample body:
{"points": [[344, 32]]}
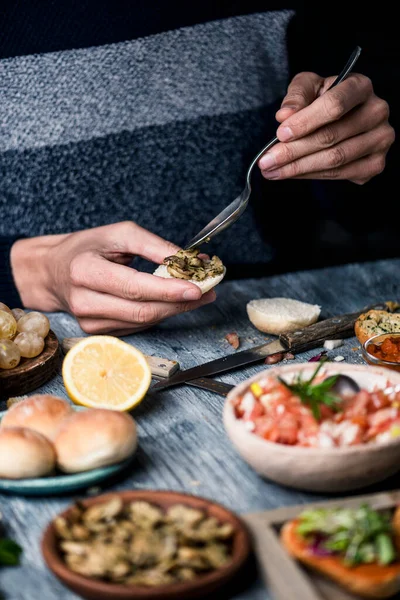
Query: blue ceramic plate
{"points": [[63, 482]]}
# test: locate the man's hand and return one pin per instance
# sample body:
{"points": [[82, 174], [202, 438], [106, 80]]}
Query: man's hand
{"points": [[86, 273], [342, 133]]}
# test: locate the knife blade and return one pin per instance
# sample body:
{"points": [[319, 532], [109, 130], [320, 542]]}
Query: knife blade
{"points": [[218, 387], [294, 341]]}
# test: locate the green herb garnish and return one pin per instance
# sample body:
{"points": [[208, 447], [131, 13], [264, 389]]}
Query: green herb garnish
{"points": [[10, 552], [314, 395], [360, 536]]}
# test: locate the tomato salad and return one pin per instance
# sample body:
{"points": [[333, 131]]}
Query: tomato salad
{"points": [[309, 413]]}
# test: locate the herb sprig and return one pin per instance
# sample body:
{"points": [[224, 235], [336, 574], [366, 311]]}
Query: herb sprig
{"points": [[361, 535], [10, 552], [315, 394]]}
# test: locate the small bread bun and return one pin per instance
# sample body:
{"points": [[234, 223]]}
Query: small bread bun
{"points": [[206, 285], [93, 438], [366, 581], [25, 453], [41, 412], [375, 322], [279, 315]]}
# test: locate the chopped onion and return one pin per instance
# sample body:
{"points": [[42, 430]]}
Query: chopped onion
{"points": [[317, 357]]}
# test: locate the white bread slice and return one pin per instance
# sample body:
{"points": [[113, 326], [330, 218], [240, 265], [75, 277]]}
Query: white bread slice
{"points": [[366, 581], [279, 315], [206, 285]]}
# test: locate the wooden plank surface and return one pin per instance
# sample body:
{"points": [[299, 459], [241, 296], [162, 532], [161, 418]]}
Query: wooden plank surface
{"points": [[182, 442]]}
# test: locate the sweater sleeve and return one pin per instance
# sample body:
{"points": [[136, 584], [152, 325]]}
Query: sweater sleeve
{"points": [[8, 291]]}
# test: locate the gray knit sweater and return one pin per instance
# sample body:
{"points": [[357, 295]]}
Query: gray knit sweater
{"points": [[159, 129]]}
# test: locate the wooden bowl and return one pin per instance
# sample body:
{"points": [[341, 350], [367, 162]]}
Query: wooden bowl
{"points": [[319, 469], [31, 373], [93, 589]]}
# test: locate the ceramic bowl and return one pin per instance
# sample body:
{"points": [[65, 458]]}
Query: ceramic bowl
{"points": [[373, 360], [93, 589], [316, 469]]}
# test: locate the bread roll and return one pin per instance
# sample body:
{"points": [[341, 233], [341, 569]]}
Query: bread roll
{"points": [[206, 285], [25, 453], [279, 315], [375, 322], [41, 412], [367, 580], [93, 438]]}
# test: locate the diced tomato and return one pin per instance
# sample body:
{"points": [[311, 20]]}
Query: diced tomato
{"points": [[257, 411], [382, 416], [281, 417], [326, 412], [361, 420], [288, 429], [379, 400], [358, 405]]}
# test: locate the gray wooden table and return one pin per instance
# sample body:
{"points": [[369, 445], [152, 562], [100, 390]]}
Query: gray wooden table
{"points": [[182, 443]]}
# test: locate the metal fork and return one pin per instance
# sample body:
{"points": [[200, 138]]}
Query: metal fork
{"points": [[232, 212]]}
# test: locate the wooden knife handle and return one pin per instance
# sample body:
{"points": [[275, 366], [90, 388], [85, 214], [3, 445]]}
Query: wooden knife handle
{"points": [[336, 327]]}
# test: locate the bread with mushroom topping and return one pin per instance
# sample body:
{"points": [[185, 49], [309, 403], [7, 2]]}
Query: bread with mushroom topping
{"points": [[191, 265]]}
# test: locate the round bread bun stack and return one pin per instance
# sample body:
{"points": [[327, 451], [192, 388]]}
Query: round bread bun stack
{"points": [[43, 413], [280, 315], [94, 438], [25, 453]]}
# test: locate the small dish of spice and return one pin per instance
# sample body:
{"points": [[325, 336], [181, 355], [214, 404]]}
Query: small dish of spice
{"points": [[383, 350]]}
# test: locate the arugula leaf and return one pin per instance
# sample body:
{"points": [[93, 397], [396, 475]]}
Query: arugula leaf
{"points": [[317, 394], [10, 552]]}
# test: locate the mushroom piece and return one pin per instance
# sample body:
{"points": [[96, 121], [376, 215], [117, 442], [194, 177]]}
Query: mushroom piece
{"points": [[186, 264]]}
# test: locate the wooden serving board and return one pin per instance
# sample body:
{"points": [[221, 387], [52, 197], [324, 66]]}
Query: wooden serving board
{"points": [[285, 577], [31, 373]]}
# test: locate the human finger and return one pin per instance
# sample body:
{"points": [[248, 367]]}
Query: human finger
{"points": [[100, 274], [84, 303], [302, 91], [376, 141], [130, 238], [358, 171], [366, 117], [327, 108], [102, 326]]}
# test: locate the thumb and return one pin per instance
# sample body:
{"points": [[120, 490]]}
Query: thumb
{"points": [[302, 91]]}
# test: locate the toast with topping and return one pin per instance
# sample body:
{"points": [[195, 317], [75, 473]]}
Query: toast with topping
{"points": [[357, 548], [375, 322]]}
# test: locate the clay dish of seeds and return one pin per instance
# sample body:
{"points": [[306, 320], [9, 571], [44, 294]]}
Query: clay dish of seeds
{"points": [[145, 545]]}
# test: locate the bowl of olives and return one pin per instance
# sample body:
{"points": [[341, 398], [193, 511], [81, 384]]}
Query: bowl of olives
{"points": [[29, 350]]}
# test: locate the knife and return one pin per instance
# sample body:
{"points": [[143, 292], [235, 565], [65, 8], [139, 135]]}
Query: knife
{"points": [[294, 341]]}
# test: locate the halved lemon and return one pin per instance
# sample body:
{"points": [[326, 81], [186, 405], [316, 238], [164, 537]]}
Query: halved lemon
{"points": [[102, 371]]}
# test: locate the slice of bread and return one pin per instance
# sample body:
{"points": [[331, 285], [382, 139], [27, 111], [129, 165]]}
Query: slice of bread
{"points": [[206, 285], [375, 322], [367, 581], [279, 315]]}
